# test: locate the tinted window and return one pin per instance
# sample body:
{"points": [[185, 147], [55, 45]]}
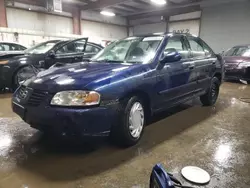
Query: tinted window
{"points": [[91, 49], [239, 51], [5, 47], [2, 47], [72, 47], [196, 47], [178, 44], [15, 47], [41, 48], [21, 47]]}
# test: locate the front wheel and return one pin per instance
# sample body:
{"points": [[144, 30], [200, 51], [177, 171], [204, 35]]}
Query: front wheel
{"points": [[132, 119], [212, 93], [21, 75]]}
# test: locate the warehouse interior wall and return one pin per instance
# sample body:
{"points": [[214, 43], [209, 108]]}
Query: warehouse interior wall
{"points": [[227, 26], [150, 28], [97, 31], [35, 27], [38, 21]]}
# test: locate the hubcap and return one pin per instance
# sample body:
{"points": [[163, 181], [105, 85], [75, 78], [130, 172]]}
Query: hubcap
{"points": [[24, 74], [136, 120]]}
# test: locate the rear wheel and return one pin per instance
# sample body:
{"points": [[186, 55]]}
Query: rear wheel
{"points": [[211, 96], [21, 75], [131, 124]]}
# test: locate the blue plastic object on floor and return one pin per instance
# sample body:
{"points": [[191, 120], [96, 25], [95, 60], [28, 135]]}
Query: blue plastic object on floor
{"points": [[161, 179]]}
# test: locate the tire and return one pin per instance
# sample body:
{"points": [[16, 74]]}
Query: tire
{"points": [[122, 133], [16, 81], [212, 93]]}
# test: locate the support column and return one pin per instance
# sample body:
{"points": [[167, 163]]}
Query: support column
{"points": [[76, 21], [3, 18]]}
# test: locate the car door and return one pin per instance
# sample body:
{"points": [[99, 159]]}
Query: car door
{"points": [[70, 52], [177, 80], [204, 59]]}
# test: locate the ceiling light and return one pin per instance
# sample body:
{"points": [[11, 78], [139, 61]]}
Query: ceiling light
{"points": [[159, 2], [107, 13]]}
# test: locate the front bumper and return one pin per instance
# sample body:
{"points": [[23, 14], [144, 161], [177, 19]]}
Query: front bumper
{"points": [[93, 121], [238, 74]]}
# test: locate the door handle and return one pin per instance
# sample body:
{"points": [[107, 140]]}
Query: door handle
{"points": [[213, 62]]}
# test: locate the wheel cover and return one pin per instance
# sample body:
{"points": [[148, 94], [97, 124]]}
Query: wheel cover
{"points": [[24, 74], [136, 120]]}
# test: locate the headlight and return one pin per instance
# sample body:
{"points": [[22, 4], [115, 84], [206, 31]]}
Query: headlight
{"points": [[244, 64], [3, 62], [76, 98]]}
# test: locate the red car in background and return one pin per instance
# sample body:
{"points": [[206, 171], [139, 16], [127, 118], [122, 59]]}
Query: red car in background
{"points": [[237, 63]]}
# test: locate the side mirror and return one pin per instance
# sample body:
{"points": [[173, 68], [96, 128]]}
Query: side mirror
{"points": [[52, 54], [170, 56]]}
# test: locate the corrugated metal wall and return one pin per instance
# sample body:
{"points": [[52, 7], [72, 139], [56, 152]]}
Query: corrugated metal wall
{"points": [[150, 28], [47, 23], [102, 31], [225, 26]]}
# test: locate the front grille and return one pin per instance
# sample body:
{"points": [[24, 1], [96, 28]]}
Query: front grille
{"points": [[36, 97], [231, 65], [22, 92]]}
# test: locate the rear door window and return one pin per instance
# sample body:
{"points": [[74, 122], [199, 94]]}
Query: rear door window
{"points": [[196, 47], [91, 49]]}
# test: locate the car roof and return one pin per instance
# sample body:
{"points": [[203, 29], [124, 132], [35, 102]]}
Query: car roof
{"points": [[164, 34], [11, 43]]}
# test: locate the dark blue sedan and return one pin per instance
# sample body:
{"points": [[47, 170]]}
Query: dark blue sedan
{"points": [[121, 87]]}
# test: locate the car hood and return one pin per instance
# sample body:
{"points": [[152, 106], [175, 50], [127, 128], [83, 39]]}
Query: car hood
{"points": [[75, 76], [235, 59]]}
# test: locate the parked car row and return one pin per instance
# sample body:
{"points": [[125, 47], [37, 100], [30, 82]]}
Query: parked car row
{"points": [[18, 67], [115, 92]]}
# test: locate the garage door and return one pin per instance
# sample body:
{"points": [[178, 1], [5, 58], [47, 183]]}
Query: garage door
{"points": [[190, 26]]}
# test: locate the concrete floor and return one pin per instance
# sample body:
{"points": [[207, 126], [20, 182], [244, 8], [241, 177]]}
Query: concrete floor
{"points": [[214, 138]]}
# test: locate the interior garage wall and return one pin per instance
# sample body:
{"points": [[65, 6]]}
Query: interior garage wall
{"points": [[150, 28], [35, 27], [190, 26], [185, 23], [97, 31], [225, 26], [47, 23]]}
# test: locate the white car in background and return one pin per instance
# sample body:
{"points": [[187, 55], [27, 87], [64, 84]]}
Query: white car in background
{"points": [[10, 49]]}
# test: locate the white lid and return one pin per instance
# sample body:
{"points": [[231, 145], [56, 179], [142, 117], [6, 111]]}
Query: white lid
{"points": [[195, 174]]}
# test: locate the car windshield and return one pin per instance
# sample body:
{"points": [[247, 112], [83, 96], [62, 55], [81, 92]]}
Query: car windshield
{"points": [[239, 51], [41, 48], [130, 50]]}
